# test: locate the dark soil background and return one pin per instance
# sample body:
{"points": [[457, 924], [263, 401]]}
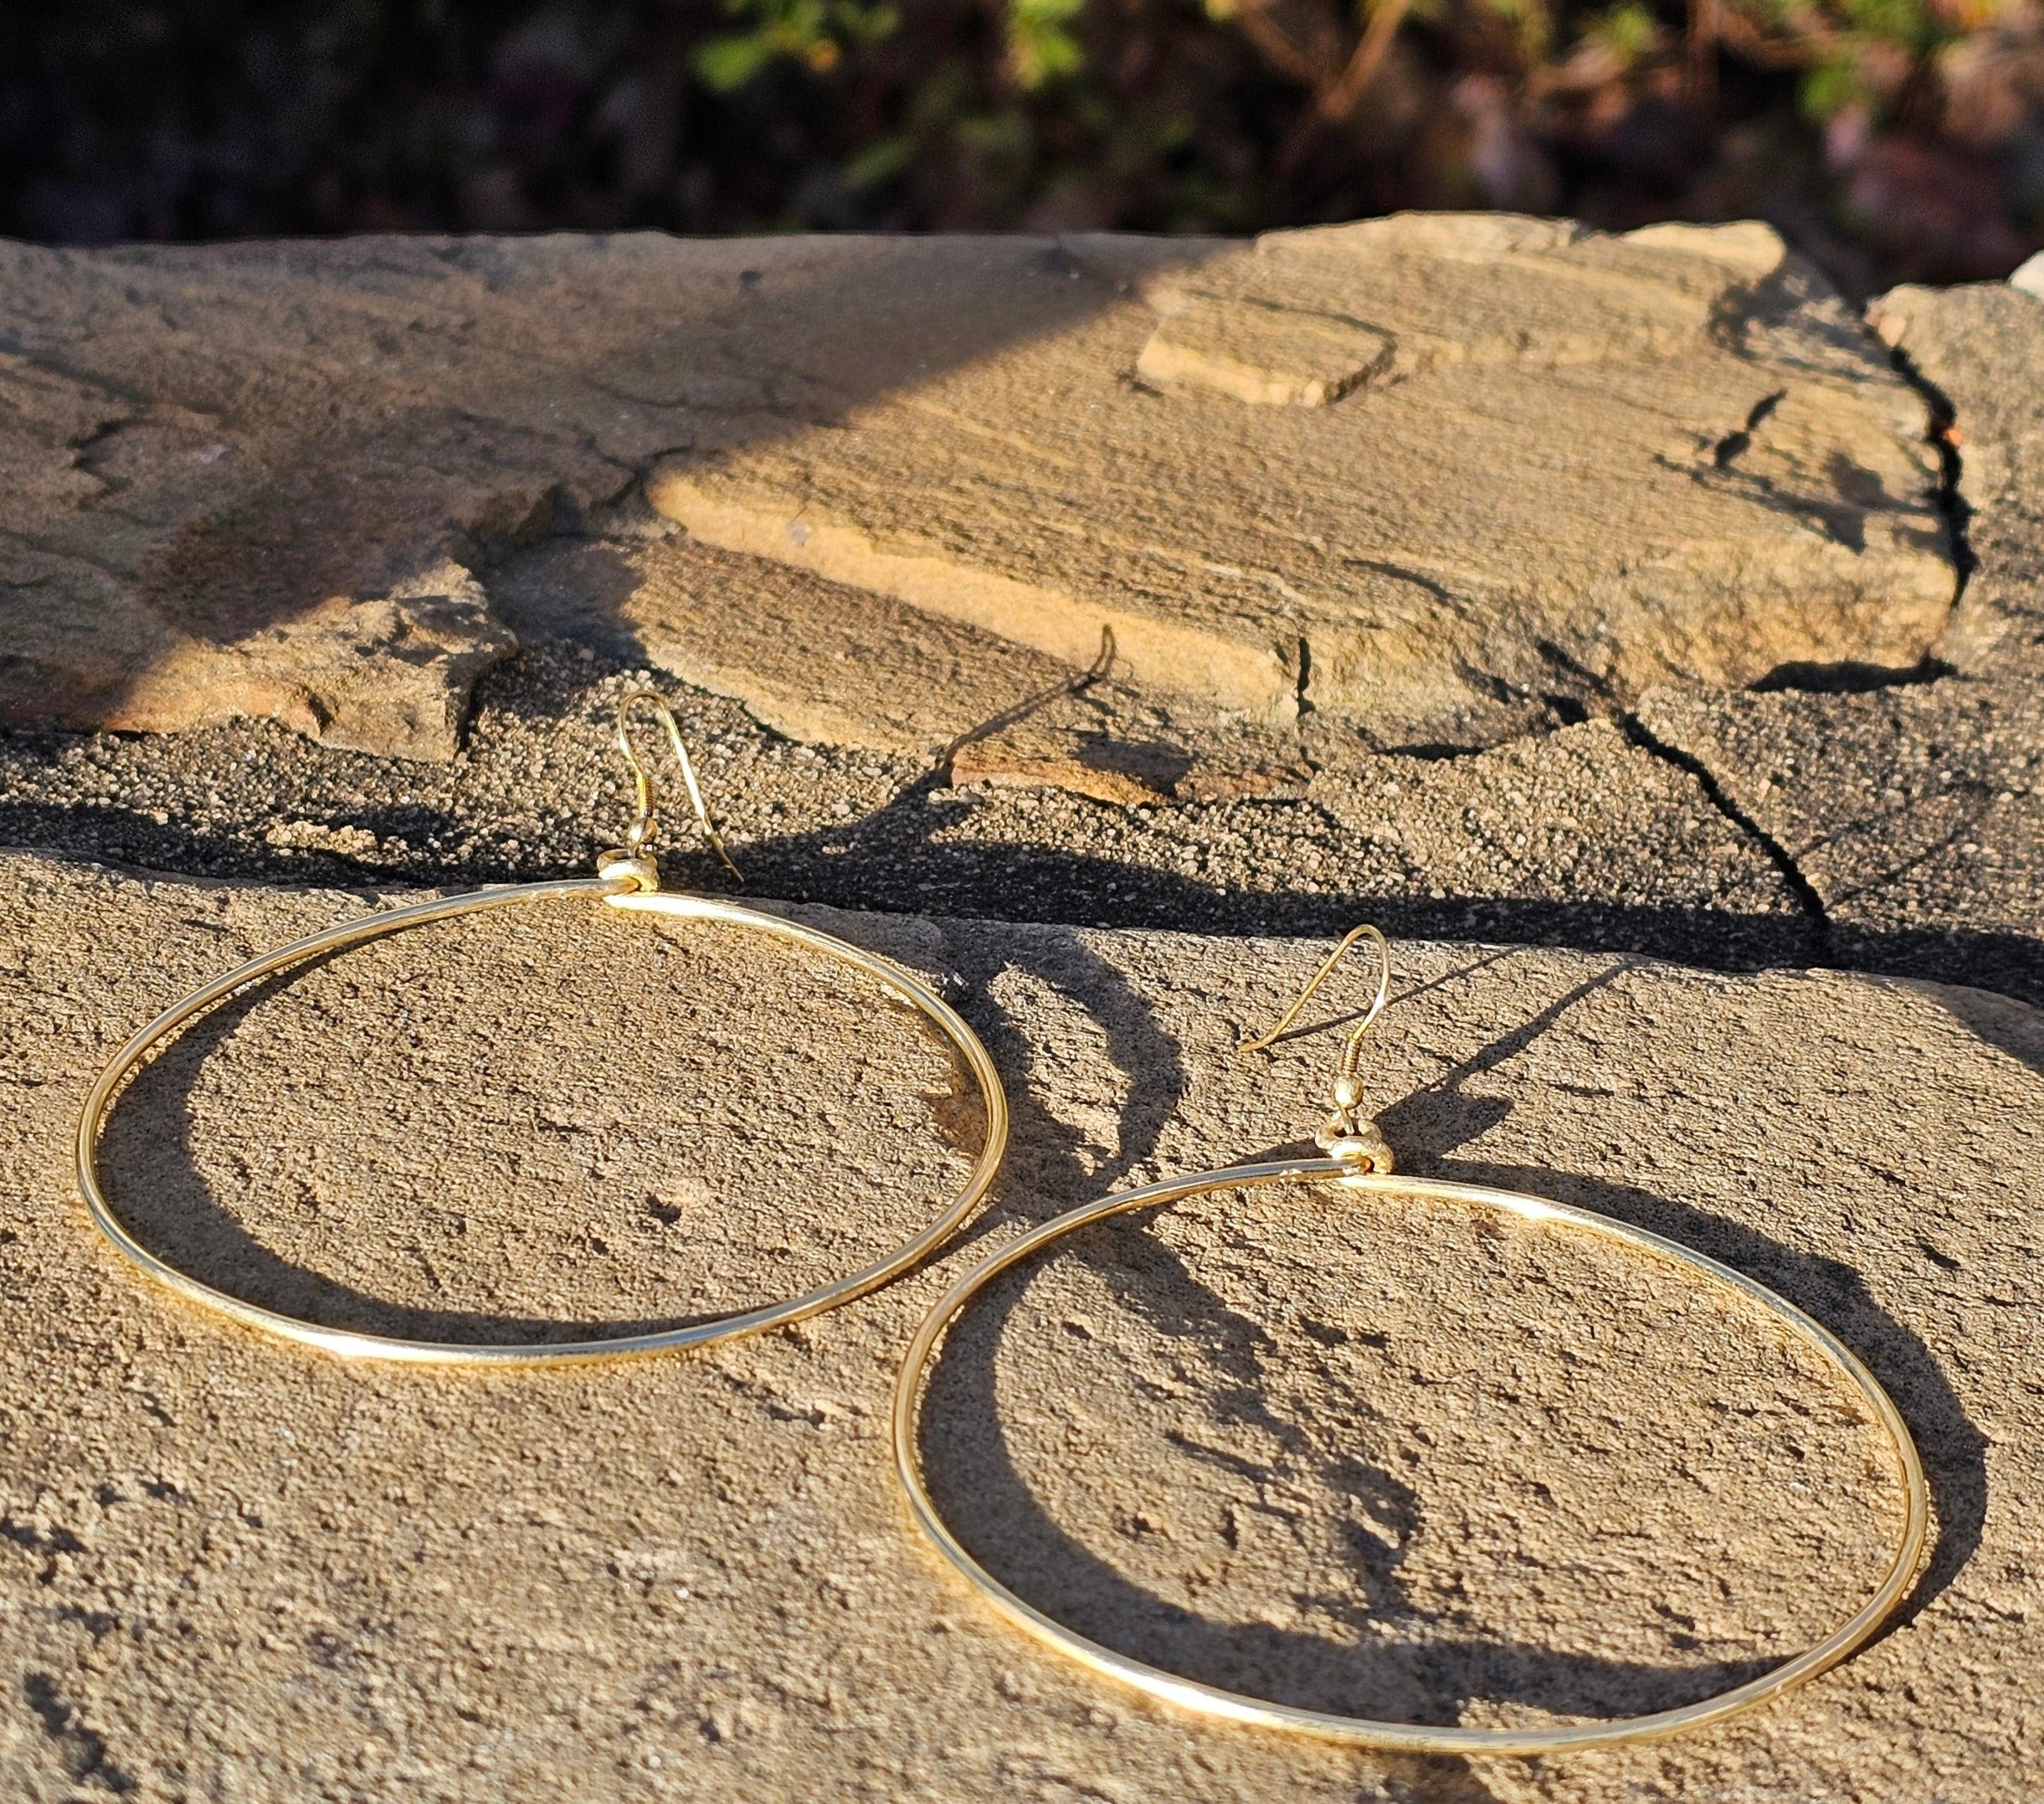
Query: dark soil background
{"points": [[1891, 140]]}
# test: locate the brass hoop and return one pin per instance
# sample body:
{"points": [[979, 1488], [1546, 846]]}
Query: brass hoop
{"points": [[627, 879], [1359, 1161], [1408, 1738]]}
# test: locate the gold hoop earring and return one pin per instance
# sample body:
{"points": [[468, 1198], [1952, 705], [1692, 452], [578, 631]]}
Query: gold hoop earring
{"points": [[1357, 1160], [627, 878]]}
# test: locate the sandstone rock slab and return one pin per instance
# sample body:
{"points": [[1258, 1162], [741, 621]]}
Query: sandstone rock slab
{"points": [[1508, 460], [830, 665], [819, 662], [1982, 347], [1430, 1460], [262, 479], [267, 479]]}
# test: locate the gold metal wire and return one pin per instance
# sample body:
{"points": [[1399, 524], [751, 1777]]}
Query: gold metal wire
{"points": [[1350, 1168], [1352, 1047], [1348, 1132], [628, 880], [645, 823]]}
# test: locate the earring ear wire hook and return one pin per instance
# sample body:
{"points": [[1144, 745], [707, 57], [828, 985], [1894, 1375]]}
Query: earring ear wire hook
{"points": [[646, 822], [1351, 1051], [1348, 1134]]}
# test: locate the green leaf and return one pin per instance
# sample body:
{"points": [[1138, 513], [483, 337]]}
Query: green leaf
{"points": [[1629, 31], [1040, 49], [731, 59], [1830, 87], [882, 161]]}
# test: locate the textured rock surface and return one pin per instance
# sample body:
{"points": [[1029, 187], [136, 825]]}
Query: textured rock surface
{"points": [[819, 662], [274, 480], [1983, 349], [1577, 835], [330, 577], [828, 663], [1444, 1469], [1915, 815], [260, 479], [1456, 1469], [1564, 465]]}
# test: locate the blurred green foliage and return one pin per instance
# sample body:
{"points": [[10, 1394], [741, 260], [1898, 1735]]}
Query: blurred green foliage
{"points": [[1890, 138], [815, 32]]}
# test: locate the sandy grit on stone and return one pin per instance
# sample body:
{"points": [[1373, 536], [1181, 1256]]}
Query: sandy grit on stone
{"points": [[1411, 1461]]}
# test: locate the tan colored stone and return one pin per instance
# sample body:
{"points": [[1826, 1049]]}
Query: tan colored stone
{"points": [[818, 661], [391, 675], [1982, 348], [1098, 737], [236, 479], [1267, 356], [1108, 771], [1395, 1458], [1277, 326], [830, 663], [1133, 772], [1565, 463], [1584, 464]]}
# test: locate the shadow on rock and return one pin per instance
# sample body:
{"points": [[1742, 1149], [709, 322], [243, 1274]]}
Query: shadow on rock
{"points": [[152, 1171], [902, 859], [426, 413], [993, 1504], [1428, 1125]]}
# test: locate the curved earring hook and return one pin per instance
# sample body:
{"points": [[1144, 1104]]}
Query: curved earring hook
{"points": [[645, 823], [1352, 1051], [1348, 1132]]}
